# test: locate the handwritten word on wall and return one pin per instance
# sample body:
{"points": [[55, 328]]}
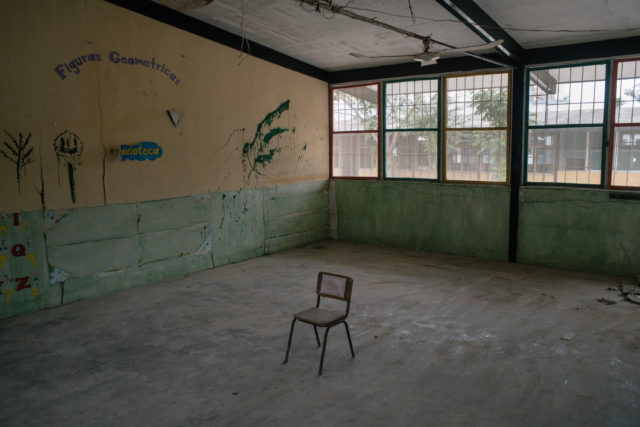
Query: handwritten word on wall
{"points": [[74, 66], [18, 271], [141, 151]]}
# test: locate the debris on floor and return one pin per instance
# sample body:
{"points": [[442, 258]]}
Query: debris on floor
{"points": [[631, 293], [606, 301], [569, 336], [505, 275]]}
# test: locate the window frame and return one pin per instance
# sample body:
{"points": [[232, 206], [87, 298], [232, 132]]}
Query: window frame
{"points": [[377, 131], [438, 130], [446, 129], [612, 124], [605, 125]]}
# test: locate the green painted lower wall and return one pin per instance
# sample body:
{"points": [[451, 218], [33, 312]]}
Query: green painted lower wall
{"points": [[292, 214], [459, 219], [24, 284], [576, 229], [579, 230], [66, 256]]}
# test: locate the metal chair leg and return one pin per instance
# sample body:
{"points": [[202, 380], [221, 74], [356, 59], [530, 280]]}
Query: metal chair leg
{"points": [[349, 337], [324, 347], [286, 357], [317, 338]]}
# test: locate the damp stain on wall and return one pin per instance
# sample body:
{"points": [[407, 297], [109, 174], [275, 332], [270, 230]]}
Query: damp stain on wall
{"points": [[18, 152], [258, 153]]}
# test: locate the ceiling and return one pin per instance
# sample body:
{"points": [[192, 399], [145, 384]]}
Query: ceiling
{"points": [[326, 40]]}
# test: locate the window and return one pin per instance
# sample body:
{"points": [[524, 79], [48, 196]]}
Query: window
{"points": [[355, 130], [625, 129], [477, 128], [565, 128], [411, 129]]}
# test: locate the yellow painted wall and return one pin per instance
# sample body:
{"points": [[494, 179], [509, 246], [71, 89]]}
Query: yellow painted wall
{"points": [[223, 96]]}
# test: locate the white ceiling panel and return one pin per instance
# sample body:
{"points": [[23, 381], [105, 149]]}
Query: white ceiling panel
{"points": [[326, 40]]}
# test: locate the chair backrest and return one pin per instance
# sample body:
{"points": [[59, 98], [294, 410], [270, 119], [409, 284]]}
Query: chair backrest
{"points": [[334, 286]]}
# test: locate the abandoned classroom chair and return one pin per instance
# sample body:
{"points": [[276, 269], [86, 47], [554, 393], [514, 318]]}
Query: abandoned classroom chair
{"points": [[331, 286]]}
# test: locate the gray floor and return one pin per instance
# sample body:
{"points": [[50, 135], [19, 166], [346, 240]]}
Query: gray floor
{"points": [[439, 340]]}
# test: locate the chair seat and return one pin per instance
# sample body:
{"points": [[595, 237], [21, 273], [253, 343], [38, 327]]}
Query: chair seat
{"points": [[319, 317]]}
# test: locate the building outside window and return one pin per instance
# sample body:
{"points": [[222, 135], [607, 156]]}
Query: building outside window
{"points": [[411, 129], [566, 115], [625, 125], [476, 137], [355, 131]]}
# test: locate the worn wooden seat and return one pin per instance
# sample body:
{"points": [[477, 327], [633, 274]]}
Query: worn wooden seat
{"points": [[319, 317], [329, 285]]}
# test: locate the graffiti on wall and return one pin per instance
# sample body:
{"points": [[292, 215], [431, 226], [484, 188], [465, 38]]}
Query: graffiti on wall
{"points": [[73, 66], [18, 271], [18, 152], [69, 147], [142, 151], [258, 153]]}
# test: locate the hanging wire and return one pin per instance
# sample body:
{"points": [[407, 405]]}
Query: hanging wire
{"points": [[244, 55], [455, 21], [414, 18], [413, 15]]}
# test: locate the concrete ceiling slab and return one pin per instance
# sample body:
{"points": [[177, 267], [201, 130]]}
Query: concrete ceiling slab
{"points": [[556, 23], [325, 40]]}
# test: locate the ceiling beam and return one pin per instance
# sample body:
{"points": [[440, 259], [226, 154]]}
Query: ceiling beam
{"points": [[187, 23], [478, 21]]}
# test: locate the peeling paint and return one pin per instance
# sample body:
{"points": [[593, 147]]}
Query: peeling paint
{"points": [[57, 275], [206, 246]]}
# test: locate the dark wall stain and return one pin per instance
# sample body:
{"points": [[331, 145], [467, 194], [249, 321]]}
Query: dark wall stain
{"points": [[19, 153], [256, 154]]}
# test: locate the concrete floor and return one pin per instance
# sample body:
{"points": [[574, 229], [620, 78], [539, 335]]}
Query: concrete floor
{"points": [[439, 340]]}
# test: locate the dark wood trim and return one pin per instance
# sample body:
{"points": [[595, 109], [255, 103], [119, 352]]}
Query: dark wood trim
{"points": [[584, 51], [517, 137], [478, 21]]}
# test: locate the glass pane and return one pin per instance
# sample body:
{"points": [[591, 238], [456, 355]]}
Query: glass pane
{"points": [[355, 108], [412, 154], [570, 95], [569, 156], [411, 105], [477, 101], [477, 156], [626, 157], [628, 92], [355, 154]]}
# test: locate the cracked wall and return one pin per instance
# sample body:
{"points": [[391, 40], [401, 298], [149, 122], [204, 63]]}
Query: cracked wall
{"points": [[83, 78], [106, 104], [458, 219], [580, 230], [74, 254]]}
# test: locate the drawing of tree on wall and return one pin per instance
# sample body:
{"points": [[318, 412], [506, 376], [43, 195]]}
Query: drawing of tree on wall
{"points": [[19, 153]]}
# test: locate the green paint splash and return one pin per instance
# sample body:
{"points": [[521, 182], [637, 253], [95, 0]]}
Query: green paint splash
{"points": [[256, 154]]}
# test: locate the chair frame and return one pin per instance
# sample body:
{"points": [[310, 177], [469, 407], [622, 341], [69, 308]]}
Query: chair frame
{"points": [[342, 319]]}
